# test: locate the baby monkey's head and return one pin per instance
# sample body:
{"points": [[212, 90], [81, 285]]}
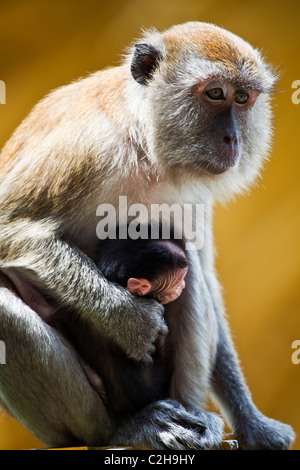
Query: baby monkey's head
{"points": [[153, 268]]}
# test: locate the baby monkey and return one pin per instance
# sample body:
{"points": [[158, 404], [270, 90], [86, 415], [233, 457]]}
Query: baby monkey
{"points": [[145, 267], [154, 268]]}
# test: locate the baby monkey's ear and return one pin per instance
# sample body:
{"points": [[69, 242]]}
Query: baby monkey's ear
{"points": [[138, 286], [144, 62]]}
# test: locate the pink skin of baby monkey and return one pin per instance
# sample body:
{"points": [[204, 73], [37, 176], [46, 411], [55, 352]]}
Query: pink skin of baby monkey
{"points": [[163, 292]]}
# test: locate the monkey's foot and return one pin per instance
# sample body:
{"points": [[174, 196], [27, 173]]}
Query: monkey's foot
{"points": [[168, 425], [265, 433]]}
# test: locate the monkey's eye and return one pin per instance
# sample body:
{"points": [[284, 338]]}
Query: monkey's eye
{"points": [[241, 97], [215, 94]]}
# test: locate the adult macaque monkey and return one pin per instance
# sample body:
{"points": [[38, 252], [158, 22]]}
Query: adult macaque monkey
{"points": [[186, 118]]}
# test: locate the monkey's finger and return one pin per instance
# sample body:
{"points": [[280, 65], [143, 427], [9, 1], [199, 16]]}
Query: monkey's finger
{"points": [[156, 306], [191, 421], [164, 329], [186, 418], [162, 326], [147, 359], [152, 349], [161, 309]]}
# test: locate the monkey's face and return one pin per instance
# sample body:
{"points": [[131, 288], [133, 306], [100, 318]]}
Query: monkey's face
{"points": [[206, 133], [207, 93], [225, 108]]}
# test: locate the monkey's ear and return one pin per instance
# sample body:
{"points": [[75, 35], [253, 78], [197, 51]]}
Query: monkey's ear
{"points": [[144, 62], [138, 286]]}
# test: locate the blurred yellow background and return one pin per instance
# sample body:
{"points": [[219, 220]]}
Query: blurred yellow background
{"points": [[45, 44]]}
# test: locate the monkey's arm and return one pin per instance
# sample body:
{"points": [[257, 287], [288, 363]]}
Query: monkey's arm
{"points": [[59, 269]]}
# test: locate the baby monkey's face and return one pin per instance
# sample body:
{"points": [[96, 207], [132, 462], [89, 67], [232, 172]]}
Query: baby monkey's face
{"points": [[173, 290], [164, 290]]}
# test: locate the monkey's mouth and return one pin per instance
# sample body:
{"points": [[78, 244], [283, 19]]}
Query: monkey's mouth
{"points": [[222, 163], [216, 168]]}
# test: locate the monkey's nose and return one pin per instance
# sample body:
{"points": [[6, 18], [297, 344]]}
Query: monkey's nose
{"points": [[230, 140], [230, 149]]}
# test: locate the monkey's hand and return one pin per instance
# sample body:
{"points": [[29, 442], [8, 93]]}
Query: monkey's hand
{"points": [[135, 323]]}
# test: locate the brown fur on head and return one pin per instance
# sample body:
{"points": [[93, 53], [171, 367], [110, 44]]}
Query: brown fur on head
{"points": [[184, 133]]}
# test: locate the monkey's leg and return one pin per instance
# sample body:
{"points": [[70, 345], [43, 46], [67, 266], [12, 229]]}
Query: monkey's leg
{"points": [[252, 429], [42, 384]]}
